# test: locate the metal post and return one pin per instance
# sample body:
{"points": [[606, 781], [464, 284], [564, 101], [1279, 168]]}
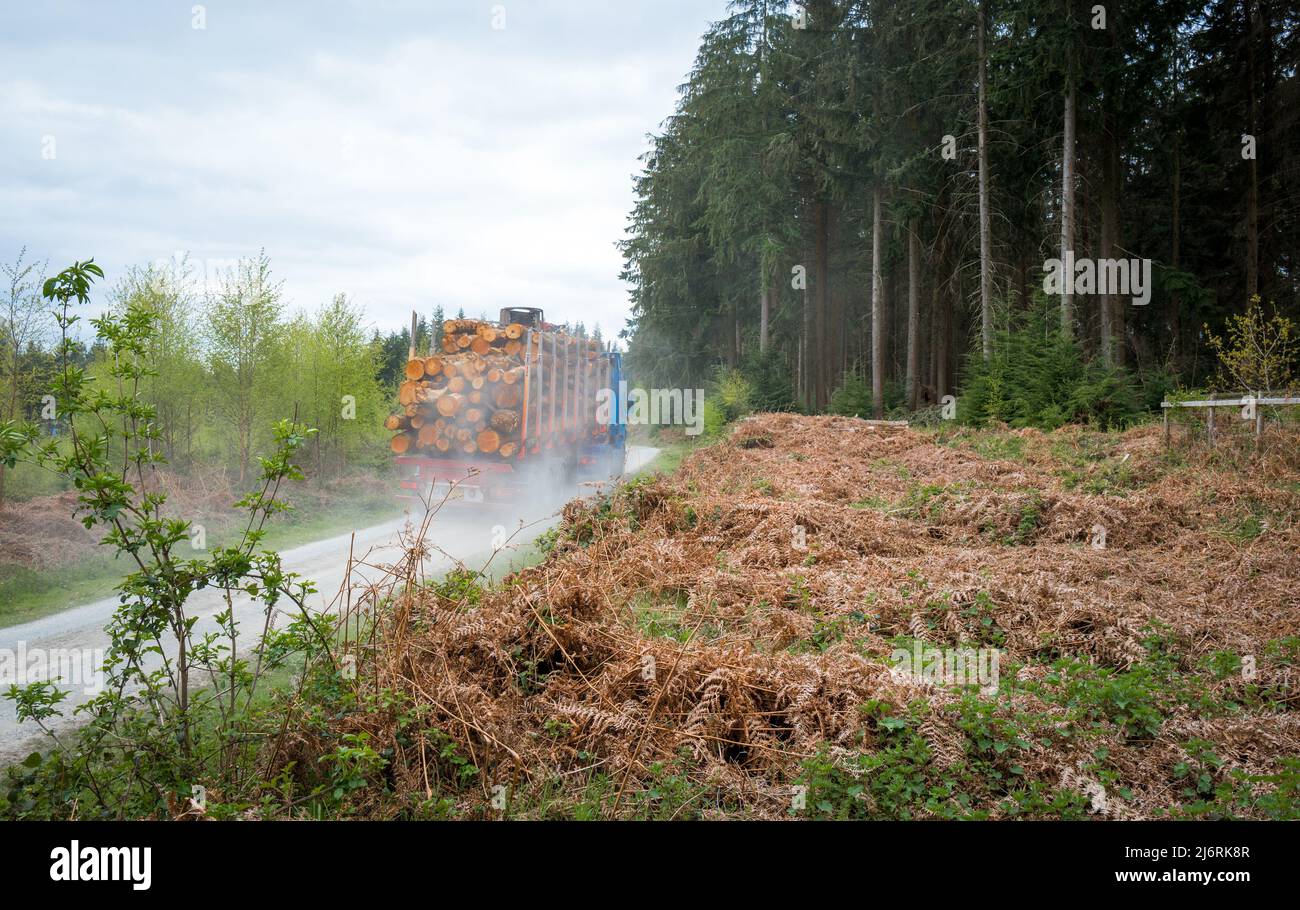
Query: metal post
{"points": [[528, 376], [555, 383], [538, 367]]}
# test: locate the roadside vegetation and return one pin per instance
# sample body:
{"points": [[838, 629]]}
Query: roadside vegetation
{"points": [[727, 639], [227, 359]]}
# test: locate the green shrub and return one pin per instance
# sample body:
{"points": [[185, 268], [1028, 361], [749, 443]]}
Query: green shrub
{"points": [[733, 395], [728, 399], [715, 418], [852, 398], [769, 381], [1038, 378]]}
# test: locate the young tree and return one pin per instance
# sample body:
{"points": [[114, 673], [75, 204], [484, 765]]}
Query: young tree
{"points": [[22, 329], [177, 387], [243, 327]]}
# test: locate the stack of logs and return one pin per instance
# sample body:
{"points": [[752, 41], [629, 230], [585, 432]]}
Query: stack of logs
{"points": [[470, 399]]}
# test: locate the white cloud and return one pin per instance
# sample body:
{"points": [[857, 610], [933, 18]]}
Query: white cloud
{"points": [[469, 168]]}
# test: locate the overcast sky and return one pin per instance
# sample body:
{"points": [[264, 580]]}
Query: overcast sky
{"points": [[405, 153]]}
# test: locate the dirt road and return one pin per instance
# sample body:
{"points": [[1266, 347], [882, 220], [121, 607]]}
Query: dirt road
{"points": [[79, 632]]}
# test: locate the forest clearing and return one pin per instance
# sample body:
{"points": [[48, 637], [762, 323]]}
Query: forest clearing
{"points": [[705, 643]]}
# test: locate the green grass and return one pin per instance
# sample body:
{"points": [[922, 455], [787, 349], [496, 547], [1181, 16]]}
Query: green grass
{"points": [[670, 457], [25, 480], [27, 594]]}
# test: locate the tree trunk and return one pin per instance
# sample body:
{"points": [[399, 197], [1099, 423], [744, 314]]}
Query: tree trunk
{"points": [[735, 334], [877, 312], [938, 346], [805, 350], [1252, 194], [949, 316], [986, 227], [821, 287], [913, 312], [1175, 228], [1109, 233], [1067, 213]]}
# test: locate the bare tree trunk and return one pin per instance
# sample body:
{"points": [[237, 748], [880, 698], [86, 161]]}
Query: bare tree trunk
{"points": [[1252, 195], [735, 335], [938, 349], [764, 303], [877, 312], [913, 312], [1022, 280], [805, 353], [1067, 214], [1109, 231], [949, 315], [821, 287], [1175, 228], [986, 227]]}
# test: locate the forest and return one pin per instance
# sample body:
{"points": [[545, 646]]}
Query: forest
{"points": [[856, 203]]}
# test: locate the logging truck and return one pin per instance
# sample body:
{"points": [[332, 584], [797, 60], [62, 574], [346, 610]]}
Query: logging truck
{"points": [[500, 411]]}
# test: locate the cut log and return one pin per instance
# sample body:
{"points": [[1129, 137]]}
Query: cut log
{"points": [[414, 369], [480, 346], [432, 366], [507, 396], [488, 442], [508, 450], [514, 331], [487, 332], [395, 423], [456, 384], [505, 421], [514, 347], [401, 444], [449, 405]]}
